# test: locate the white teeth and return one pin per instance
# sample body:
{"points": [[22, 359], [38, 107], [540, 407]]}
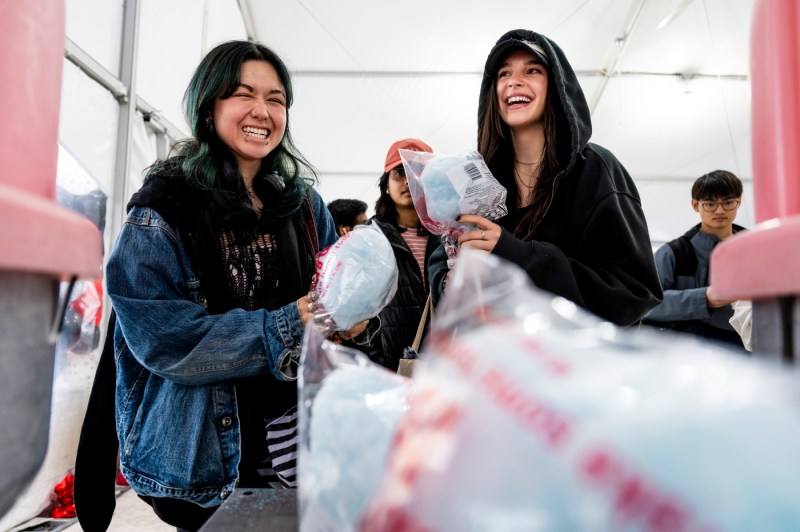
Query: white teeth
{"points": [[255, 131], [518, 99]]}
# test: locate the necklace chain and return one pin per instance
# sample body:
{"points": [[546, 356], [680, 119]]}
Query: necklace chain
{"points": [[536, 167], [521, 180]]}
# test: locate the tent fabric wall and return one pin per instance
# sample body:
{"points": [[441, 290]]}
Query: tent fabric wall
{"points": [[667, 205], [676, 106], [88, 123], [174, 36], [143, 152], [96, 26]]}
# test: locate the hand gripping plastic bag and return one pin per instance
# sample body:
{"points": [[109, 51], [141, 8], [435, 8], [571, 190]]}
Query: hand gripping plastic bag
{"points": [[530, 414], [355, 278], [444, 187], [348, 408]]}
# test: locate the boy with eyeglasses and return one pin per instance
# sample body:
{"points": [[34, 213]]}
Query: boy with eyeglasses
{"points": [[689, 303]]}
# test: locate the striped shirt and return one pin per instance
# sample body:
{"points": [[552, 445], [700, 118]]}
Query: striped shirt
{"points": [[417, 243], [280, 469]]}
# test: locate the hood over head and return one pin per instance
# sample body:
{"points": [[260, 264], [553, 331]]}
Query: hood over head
{"points": [[571, 99]]}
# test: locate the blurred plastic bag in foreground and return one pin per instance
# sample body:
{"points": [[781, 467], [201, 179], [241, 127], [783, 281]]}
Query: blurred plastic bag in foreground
{"points": [[348, 409], [530, 414], [444, 187], [355, 278]]}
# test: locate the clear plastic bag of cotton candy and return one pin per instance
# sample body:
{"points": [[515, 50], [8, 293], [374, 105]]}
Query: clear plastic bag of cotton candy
{"points": [[355, 278], [443, 187], [347, 411], [532, 414]]}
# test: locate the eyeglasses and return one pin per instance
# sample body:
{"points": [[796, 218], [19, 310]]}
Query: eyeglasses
{"points": [[397, 174], [727, 204]]}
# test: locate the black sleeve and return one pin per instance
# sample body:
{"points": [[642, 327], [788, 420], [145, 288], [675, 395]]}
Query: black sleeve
{"points": [[612, 273], [96, 461], [437, 271]]}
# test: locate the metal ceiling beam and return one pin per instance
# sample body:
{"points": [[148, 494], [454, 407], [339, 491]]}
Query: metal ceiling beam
{"points": [[621, 43], [95, 70], [127, 114], [98, 73], [430, 74], [247, 18], [158, 123]]}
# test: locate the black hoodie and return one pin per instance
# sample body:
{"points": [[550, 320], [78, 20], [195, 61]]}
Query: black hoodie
{"points": [[592, 246]]}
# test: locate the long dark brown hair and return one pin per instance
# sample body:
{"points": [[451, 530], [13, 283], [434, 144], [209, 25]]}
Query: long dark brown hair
{"points": [[385, 208], [494, 144]]}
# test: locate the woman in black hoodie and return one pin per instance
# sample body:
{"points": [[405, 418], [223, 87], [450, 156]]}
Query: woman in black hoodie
{"points": [[575, 222]]}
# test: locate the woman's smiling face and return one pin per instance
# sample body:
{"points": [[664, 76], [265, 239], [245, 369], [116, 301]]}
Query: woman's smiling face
{"points": [[252, 121], [521, 89]]}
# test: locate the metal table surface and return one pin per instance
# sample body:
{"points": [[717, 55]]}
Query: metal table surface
{"points": [[249, 509]]}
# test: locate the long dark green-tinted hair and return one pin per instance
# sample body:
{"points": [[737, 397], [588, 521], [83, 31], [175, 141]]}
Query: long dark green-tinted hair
{"points": [[205, 160]]}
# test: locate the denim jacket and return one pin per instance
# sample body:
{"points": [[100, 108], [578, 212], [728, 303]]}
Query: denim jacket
{"points": [[176, 413]]}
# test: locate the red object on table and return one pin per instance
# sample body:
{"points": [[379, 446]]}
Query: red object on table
{"points": [[64, 494]]}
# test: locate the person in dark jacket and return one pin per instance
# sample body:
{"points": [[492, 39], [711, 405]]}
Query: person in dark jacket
{"points": [[412, 245], [575, 221], [690, 304]]}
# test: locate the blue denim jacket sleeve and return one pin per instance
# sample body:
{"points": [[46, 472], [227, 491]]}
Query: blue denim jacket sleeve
{"points": [[325, 225], [155, 293]]}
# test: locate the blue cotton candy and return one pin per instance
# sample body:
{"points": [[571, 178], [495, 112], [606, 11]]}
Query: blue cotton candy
{"points": [[441, 195], [356, 276], [351, 428]]}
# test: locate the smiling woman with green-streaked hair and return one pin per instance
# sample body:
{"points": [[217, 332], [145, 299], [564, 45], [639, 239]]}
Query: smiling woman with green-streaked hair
{"points": [[217, 79], [209, 279]]}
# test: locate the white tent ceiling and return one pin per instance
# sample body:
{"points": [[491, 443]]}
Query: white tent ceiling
{"points": [[672, 102]]}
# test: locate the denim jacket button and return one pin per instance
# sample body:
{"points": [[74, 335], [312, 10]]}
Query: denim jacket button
{"points": [[226, 421], [203, 301], [224, 493]]}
